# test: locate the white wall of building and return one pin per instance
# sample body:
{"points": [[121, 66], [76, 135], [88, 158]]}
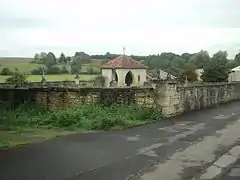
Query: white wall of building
{"points": [[107, 73], [121, 73], [234, 76]]}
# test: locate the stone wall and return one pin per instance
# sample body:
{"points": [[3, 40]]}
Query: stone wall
{"points": [[169, 97], [63, 97], [176, 99], [50, 84]]}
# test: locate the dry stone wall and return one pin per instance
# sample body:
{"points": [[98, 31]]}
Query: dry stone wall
{"points": [[64, 97], [176, 99], [169, 97]]}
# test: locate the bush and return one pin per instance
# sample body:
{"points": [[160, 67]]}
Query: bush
{"points": [[76, 68], [37, 71], [100, 80], [17, 78], [64, 70], [6, 72], [86, 116], [54, 70]]}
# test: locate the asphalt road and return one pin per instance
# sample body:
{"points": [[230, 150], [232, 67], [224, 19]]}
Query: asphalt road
{"points": [[186, 144]]}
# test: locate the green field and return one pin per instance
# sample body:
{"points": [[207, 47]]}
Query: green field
{"points": [[60, 77], [24, 64]]}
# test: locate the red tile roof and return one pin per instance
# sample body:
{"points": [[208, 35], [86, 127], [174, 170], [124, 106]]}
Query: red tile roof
{"points": [[123, 62]]}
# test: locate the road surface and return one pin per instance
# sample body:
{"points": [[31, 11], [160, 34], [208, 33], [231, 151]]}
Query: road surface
{"points": [[175, 149]]}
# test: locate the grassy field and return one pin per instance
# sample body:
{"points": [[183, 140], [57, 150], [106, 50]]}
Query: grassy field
{"points": [[24, 64], [49, 78]]}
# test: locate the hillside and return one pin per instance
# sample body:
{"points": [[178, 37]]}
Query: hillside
{"points": [[4, 60], [24, 65]]}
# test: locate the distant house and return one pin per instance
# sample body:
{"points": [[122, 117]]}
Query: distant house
{"points": [[163, 75], [234, 75]]}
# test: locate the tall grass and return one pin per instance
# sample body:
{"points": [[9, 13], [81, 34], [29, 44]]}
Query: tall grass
{"points": [[86, 116]]}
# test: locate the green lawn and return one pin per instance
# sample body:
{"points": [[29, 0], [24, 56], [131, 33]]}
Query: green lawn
{"points": [[60, 77]]}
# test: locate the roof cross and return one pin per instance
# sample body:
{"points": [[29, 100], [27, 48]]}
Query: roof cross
{"points": [[124, 50]]}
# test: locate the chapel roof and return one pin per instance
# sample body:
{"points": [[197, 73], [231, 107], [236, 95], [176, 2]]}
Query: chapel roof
{"points": [[123, 62]]}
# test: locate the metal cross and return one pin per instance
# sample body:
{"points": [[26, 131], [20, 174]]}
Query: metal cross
{"points": [[124, 49]]}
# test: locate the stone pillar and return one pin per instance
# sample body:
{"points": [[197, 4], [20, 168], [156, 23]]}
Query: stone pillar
{"points": [[168, 98]]}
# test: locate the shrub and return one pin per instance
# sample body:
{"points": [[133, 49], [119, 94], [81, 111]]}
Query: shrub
{"points": [[54, 70], [64, 70], [17, 78], [37, 71], [100, 80], [6, 72], [76, 68]]}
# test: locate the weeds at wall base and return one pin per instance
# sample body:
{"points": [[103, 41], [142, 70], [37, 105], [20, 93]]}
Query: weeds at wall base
{"points": [[84, 116]]}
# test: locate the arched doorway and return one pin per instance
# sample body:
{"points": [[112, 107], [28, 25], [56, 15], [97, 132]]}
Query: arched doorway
{"points": [[116, 77], [129, 78]]}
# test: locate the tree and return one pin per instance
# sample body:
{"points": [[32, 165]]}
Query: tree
{"points": [[75, 68], [64, 70], [37, 71], [54, 70], [68, 59], [50, 60], [6, 72], [201, 59], [178, 62], [62, 58], [90, 70], [217, 69], [36, 57], [237, 58], [232, 64], [187, 56], [189, 72], [43, 55], [17, 78], [81, 58]]}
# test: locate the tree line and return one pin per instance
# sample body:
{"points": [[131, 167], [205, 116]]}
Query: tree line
{"points": [[63, 64], [184, 66]]}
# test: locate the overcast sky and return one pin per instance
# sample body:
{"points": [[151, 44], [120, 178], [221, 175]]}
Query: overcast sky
{"points": [[99, 26]]}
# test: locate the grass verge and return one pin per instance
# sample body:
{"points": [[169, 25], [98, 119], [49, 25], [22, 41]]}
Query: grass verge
{"points": [[28, 123], [23, 135]]}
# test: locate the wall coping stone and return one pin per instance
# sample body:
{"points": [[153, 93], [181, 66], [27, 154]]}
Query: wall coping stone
{"points": [[64, 89]]}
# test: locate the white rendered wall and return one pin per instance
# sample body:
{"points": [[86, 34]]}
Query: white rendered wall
{"points": [[234, 76], [107, 73], [123, 72]]}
